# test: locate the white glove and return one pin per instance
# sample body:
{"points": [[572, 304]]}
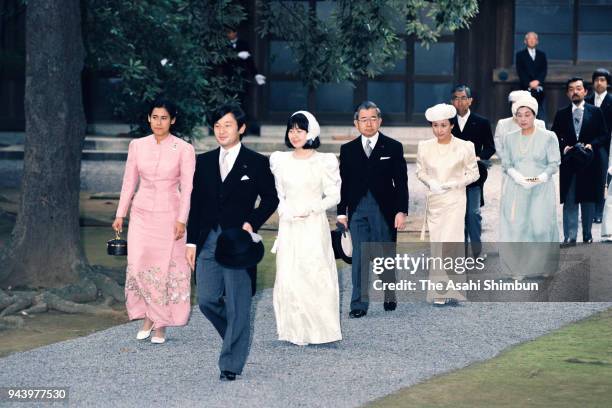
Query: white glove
{"points": [[435, 187], [244, 55], [610, 170], [543, 178], [519, 179], [260, 79], [449, 185]]}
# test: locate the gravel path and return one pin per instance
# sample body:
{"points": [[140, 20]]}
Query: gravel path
{"points": [[380, 354]]}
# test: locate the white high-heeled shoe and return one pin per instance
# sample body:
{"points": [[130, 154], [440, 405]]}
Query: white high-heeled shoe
{"points": [[144, 334], [158, 340]]}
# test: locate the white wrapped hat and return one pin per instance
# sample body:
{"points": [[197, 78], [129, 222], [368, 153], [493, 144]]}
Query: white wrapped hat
{"points": [[440, 111], [314, 130], [528, 101], [516, 95]]}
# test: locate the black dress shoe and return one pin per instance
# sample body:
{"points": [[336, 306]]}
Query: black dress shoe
{"points": [[389, 306], [568, 243], [597, 220], [227, 376], [356, 314], [588, 241]]}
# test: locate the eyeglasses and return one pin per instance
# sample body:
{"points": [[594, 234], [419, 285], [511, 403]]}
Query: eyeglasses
{"points": [[460, 98], [366, 120]]}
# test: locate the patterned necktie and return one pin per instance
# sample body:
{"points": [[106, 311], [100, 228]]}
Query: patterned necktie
{"points": [[577, 120], [368, 148], [224, 168]]}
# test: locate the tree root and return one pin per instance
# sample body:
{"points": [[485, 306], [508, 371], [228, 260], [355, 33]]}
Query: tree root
{"points": [[21, 300], [109, 287], [93, 286]]}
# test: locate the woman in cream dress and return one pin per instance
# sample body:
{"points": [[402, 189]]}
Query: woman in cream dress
{"points": [[446, 165], [306, 294]]}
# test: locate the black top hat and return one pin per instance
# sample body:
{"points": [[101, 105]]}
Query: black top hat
{"points": [[237, 250], [578, 158], [342, 244]]}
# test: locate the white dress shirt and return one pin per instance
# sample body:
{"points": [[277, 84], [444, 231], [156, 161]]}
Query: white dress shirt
{"points": [[462, 120], [579, 106], [599, 98], [532, 52], [372, 139], [232, 154]]}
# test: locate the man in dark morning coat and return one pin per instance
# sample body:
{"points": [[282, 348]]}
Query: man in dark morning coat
{"points": [[531, 68], [472, 127], [373, 197], [585, 124], [226, 184], [602, 99]]}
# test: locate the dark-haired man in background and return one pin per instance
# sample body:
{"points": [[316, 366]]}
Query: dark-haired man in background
{"points": [[603, 100], [584, 185], [476, 129]]}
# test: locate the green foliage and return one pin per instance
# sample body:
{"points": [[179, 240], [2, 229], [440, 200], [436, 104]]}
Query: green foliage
{"points": [[174, 47], [360, 38], [179, 47]]}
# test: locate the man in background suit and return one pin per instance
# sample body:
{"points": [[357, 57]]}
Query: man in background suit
{"points": [[531, 68], [579, 123], [476, 129], [227, 182], [242, 71], [603, 100], [373, 197]]}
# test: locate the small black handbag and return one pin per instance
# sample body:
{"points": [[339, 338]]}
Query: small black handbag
{"points": [[116, 246]]}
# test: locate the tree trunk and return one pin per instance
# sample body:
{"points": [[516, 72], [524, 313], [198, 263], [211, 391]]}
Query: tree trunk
{"points": [[45, 248]]}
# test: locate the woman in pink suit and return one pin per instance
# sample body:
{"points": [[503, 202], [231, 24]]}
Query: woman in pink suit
{"points": [[158, 279]]}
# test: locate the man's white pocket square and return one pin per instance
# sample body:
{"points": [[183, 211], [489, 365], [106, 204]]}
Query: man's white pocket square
{"points": [[385, 158], [245, 177]]}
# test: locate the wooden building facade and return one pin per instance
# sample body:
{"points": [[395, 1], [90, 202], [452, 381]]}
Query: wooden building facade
{"points": [[575, 34]]}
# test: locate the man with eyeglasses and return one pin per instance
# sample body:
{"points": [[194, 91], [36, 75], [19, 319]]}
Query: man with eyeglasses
{"points": [[373, 197], [472, 127]]}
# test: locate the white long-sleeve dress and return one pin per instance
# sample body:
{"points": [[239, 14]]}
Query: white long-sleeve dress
{"points": [[306, 294]]}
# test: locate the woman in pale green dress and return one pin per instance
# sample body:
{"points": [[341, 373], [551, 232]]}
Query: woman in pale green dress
{"points": [[529, 201]]}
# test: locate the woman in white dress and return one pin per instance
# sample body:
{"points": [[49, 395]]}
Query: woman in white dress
{"points": [[446, 165], [306, 294]]}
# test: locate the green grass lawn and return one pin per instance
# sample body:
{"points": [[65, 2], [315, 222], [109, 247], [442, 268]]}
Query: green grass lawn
{"points": [[571, 367]]}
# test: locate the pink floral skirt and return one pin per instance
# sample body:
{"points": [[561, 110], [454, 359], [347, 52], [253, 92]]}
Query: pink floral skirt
{"points": [[158, 278]]}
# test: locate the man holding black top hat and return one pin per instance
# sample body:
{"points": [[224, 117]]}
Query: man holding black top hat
{"points": [[582, 132], [223, 217]]}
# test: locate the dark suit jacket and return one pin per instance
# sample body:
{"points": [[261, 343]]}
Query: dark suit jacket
{"points": [[237, 66], [528, 69], [606, 109], [478, 131], [230, 203], [384, 174], [590, 179]]}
